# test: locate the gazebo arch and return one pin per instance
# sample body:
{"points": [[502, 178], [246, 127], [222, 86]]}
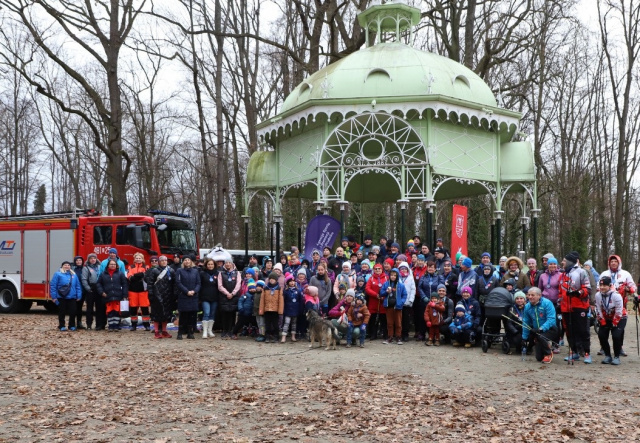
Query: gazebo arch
{"points": [[376, 142]]}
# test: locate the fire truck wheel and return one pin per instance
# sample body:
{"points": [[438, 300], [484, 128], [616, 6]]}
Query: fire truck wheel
{"points": [[9, 302]]}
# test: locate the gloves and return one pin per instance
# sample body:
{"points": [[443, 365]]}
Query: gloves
{"points": [[428, 324]]}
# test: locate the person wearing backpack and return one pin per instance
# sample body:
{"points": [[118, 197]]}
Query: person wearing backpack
{"points": [[65, 292]]}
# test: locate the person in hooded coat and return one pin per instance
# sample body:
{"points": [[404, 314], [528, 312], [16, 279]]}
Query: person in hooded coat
{"points": [[113, 287], [89, 279], [378, 319], [406, 278], [162, 298], [394, 295]]}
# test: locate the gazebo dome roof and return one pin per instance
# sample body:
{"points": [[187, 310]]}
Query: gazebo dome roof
{"points": [[388, 70]]}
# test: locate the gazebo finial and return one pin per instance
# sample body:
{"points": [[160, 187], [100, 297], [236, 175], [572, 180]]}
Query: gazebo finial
{"points": [[388, 17]]}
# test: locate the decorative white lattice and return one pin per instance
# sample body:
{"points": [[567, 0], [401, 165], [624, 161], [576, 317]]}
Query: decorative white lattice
{"points": [[461, 151]]}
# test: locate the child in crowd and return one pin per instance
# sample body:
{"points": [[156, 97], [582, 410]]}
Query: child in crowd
{"points": [[358, 316], [395, 295], [311, 300], [292, 302], [271, 306], [461, 327], [342, 291], [245, 309], [256, 311], [433, 319], [360, 283]]}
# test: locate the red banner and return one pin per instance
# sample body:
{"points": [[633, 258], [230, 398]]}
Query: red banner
{"points": [[458, 231]]}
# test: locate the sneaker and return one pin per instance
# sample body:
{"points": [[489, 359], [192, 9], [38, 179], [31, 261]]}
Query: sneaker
{"points": [[615, 361], [260, 338], [400, 341], [437, 343], [385, 342], [572, 357], [587, 358], [72, 328], [467, 345], [362, 345], [429, 343], [165, 334], [63, 329], [607, 360], [179, 337], [556, 350], [456, 344], [601, 352], [348, 345], [234, 337], [622, 353], [547, 358], [157, 335]]}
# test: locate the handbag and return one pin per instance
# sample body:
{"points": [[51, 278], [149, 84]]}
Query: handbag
{"points": [[64, 290], [124, 305]]}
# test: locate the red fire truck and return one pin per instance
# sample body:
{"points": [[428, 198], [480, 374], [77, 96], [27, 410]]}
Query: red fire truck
{"points": [[32, 247]]}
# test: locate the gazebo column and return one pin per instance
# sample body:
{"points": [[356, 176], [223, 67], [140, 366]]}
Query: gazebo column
{"points": [[271, 241], [534, 232], [498, 215], [319, 204], [428, 236], [246, 238], [403, 208], [492, 251], [277, 219], [524, 221], [343, 208]]}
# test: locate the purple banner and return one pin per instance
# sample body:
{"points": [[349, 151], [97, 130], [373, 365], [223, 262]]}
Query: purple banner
{"points": [[321, 232]]}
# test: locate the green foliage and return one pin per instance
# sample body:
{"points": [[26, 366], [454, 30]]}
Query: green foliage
{"points": [[40, 199]]}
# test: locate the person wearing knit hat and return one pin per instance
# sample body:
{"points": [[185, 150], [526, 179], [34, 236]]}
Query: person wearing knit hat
{"points": [[461, 327], [467, 276], [588, 265], [271, 306], [388, 265], [287, 278], [502, 266], [113, 255], [95, 304], [66, 290], [347, 277], [612, 317], [358, 317], [293, 301], [575, 291], [433, 317], [378, 319], [394, 294], [545, 260], [245, 308]]}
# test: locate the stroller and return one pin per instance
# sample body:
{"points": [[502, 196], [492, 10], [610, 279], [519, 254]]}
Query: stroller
{"points": [[498, 303]]}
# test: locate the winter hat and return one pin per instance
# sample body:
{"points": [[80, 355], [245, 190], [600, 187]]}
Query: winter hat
{"points": [[460, 308], [587, 263], [441, 286], [350, 292], [95, 256], [287, 277], [360, 279], [66, 262], [467, 289], [467, 262], [395, 245], [509, 281], [485, 254], [572, 256], [410, 243], [274, 276], [487, 265], [401, 257], [265, 259], [552, 260], [342, 286], [113, 251], [606, 280], [251, 284], [277, 266], [548, 255], [261, 283], [351, 238], [78, 257], [361, 298], [365, 262], [434, 295], [152, 258], [345, 239], [375, 249], [439, 250], [315, 252], [346, 264], [377, 265], [421, 257], [389, 261], [458, 257], [251, 271], [311, 290], [226, 260], [368, 237], [302, 271], [519, 294], [503, 258]]}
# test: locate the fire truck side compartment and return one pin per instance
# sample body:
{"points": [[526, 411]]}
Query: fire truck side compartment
{"points": [[35, 257], [10, 252]]}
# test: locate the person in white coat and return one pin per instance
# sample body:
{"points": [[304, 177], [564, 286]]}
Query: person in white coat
{"points": [[406, 277]]}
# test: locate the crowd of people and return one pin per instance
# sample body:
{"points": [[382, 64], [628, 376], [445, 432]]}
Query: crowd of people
{"points": [[368, 292]]}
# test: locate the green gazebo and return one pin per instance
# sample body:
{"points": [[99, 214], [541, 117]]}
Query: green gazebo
{"points": [[390, 123]]}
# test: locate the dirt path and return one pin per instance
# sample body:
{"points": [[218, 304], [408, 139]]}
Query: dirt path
{"points": [[94, 386]]}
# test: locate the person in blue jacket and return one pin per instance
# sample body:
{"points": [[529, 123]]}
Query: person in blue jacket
{"points": [[394, 295], [245, 308], [66, 290], [293, 300], [461, 327], [113, 255], [539, 325]]}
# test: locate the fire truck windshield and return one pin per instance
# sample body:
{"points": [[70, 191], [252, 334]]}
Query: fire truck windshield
{"points": [[178, 237]]}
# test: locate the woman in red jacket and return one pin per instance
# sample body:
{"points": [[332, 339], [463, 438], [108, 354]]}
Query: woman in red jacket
{"points": [[374, 302]]}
